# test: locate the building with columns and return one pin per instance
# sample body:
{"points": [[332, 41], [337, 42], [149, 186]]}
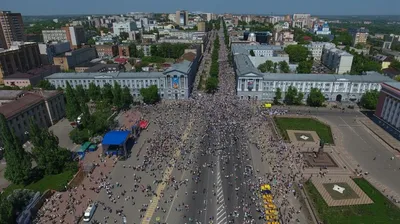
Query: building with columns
{"points": [[388, 108], [253, 84], [176, 82]]}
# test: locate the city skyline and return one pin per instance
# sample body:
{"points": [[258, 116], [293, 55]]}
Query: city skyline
{"points": [[320, 7]]}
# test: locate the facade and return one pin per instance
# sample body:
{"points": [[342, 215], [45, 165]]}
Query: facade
{"points": [[11, 28], [123, 50], [201, 26], [359, 35], [316, 48], [20, 57], [146, 48], [52, 49], [176, 82], [75, 36], [283, 37], [388, 108], [107, 51], [74, 58], [181, 18], [126, 27], [301, 21], [54, 35], [45, 107], [337, 60], [252, 84], [31, 77]]}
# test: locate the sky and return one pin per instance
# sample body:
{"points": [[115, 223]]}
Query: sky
{"points": [[264, 7]]}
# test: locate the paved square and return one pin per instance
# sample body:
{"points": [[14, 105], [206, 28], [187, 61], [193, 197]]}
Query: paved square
{"points": [[353, 196], [299, 136]]}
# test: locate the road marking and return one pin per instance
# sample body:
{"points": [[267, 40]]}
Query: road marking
{"points": [[220, 207], [222, 220], [167, 173]]}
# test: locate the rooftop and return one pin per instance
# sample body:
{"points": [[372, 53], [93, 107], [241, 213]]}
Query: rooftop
{"points": [[395, 85], [372, 77], [10, 94], [33, 72]]}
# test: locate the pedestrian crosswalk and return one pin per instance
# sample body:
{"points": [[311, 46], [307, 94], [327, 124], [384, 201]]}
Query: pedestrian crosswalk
{"points": [[221, 208]]}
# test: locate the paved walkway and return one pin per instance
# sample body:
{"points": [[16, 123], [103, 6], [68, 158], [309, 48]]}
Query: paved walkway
{"points": [[382, 134]]}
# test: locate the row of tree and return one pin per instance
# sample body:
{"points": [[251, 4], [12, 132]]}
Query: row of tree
{"points": [[270, 66], [294, 97], [363, 63], [163, 50], [300, 55], [212, 81]]}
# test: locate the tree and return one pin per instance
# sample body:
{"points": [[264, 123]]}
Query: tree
{"points": [[46, 85], [124, 35], [94, 92], [262, 67], [127, 98], [395, 64], [315, 98], [117, 95], [7, 212], [150, 95], [304, 67], [278, 96], [275, 69], [91, 42], [297, 53], [292, 97], [81, 95], [72, 108], [19, 162], [370, 99], [212, 85], [252, 53], [269, 65], [153, 50], [107, 94], [48, 155], [284, 67], [299, 98], [133, 52]]}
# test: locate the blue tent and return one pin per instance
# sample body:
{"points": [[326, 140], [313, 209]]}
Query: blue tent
{"points": [[116, 138]]}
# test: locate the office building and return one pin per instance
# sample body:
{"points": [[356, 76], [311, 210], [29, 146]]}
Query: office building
{"points": [[201, 26], [337, 60], [181, 18], [11, 28], [71, 59], [124, 27], [252, 84], [44, 107], [388, 108], [75, 35], [176, 82], [20, 57], [359, 35]]}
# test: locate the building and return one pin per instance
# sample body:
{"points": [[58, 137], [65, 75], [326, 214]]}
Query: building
{"points": [[262, 53], [74, 58], [126, 27], [146, 48], [176, 82], [11, 28], [283, 37], [181, 18], [7, 96], [107, 51], [316, 48], [123, 50], [301, 21], [209, 16], [31, 77], [44, 107], [322, 29], [384, 60], [75, 35], [51, 49], [106, 68], [201, 26], [336, 60], [20, 57], [252, 84], [388, 108], [260, 37], [393, 54], [359, 35]]}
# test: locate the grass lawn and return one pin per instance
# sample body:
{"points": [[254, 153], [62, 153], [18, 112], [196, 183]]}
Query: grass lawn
{"points": [[54, 182], [382, 211], [305, 124]]}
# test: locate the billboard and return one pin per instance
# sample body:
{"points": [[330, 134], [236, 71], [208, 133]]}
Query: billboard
{"points": [[175, 82]]}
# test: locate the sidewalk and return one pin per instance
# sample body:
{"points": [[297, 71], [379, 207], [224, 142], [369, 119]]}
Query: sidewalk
{"points": [[382, 134]]}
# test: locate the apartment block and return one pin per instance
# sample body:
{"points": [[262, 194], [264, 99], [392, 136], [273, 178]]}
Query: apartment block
{"points": [[75, 35], [11, 28], [359, 35], [126, 27], [107, 51], [316, 48], [181, 18], [49, 50], [337, 60], [20, 57]]}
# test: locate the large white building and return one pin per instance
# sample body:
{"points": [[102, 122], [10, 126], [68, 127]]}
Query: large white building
{"points": [[174, 83], [126, 27], [388, 108], [337, 60], [54, 35], [252, 84]]}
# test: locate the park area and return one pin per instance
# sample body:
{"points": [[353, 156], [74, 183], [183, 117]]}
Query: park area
{"points": [[304, 124], [381, 211]]}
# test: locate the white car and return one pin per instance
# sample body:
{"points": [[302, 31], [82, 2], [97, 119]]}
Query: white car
{"points": [[89, 212]]}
